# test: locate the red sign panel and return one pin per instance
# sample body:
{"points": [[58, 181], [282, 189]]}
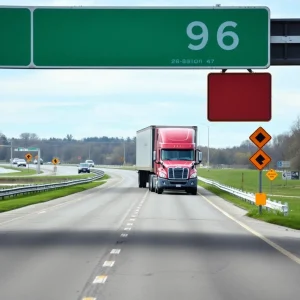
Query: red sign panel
{"points": [[239, 97]]}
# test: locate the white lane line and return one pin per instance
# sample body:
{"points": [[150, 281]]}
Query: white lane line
{"points": [[115, 251], [132, 220], [129, 224], [100, 279], [124, 235], [257, 234], [108, 263], [41, 212], [127, 228]]}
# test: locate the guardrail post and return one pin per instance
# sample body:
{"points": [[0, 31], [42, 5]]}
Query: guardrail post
{"points": [[286, 209]]}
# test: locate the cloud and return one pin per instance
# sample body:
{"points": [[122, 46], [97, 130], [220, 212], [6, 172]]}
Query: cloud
{"points": [[99, 82], [119, 102]]}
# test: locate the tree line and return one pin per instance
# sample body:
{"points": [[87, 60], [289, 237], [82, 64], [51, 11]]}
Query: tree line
{"points": [[116, 151]]}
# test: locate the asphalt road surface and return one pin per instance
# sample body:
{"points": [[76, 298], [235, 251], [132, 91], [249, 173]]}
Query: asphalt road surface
{"points": [[121, 242]]}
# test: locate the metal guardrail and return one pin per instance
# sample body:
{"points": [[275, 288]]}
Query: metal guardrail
{"points": [[50, 186], [249, 197]]}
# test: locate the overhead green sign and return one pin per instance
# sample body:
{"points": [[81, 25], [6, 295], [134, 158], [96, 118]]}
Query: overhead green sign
{"points": [[26, 149], [147, 37], [15, 37]]}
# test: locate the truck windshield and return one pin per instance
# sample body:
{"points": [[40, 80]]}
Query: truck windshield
{"points": [[177, 154]]}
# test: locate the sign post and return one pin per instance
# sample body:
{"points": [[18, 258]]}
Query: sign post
{"points": [[260, 160], [55, 161], [28, 157]]}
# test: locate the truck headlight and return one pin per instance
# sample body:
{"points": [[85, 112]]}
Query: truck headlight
{"points": [[162, 174], [193, 175]]}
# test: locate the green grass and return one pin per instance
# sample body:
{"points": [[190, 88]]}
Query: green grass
{"points": [[24, 200], [22, 171], [231, 178]]}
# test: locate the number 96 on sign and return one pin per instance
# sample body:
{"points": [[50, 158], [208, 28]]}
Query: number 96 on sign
{"points": [[228, 43]]}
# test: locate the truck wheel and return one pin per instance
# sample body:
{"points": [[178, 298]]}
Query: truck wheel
{"points": [[140, 181], [150, 185], [194, 192], [160, 191]]}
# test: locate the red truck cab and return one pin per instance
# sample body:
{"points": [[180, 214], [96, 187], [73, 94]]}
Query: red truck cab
{"points": [[174, 157]]}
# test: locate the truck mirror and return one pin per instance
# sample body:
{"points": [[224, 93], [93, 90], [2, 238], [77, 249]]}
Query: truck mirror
{"points": [[154, 155], [200, 157]]}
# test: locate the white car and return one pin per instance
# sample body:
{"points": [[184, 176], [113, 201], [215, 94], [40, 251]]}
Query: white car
{"points": [[15, 160], [90, 162], [41, 162], [21, 162]]}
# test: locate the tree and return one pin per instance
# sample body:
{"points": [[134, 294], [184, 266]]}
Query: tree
{"points": [[69, 137], [28, 138]]}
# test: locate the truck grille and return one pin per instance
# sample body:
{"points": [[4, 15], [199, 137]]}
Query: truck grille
{"points": [[178, 173]]}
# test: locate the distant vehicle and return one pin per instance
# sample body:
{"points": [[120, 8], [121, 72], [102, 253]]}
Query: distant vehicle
{"points": [[84, 168], [90, 162], [21, 162], [15, 160], [41, 161]]}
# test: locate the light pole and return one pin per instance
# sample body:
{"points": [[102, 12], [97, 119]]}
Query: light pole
{"points": [[11, 151], [124, 160]]}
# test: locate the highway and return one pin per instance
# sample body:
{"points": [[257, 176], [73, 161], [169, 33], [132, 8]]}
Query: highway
{"points": [[121, 242]]}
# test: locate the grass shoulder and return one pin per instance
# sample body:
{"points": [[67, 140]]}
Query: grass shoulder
{"points": [[8, 204], [247, 180], [274, 217], [22, 171]]}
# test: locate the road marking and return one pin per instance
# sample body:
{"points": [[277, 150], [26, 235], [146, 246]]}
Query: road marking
{"points": [[132, 220], [57, 205], [41, 212], [100, 279], [115, 251], [129, 224], [124, 235], [127, 228], [257, 234], [133, 216], [108, 263], [88, 298]]}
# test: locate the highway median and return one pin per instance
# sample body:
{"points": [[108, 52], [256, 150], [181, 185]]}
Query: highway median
{"points": [[35, 196], [21, 171]]}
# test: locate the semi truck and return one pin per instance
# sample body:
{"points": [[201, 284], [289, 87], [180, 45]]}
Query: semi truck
{"points": [[166, 158]]}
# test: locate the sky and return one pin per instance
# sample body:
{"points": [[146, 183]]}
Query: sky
{"points": [[117, 103]]}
